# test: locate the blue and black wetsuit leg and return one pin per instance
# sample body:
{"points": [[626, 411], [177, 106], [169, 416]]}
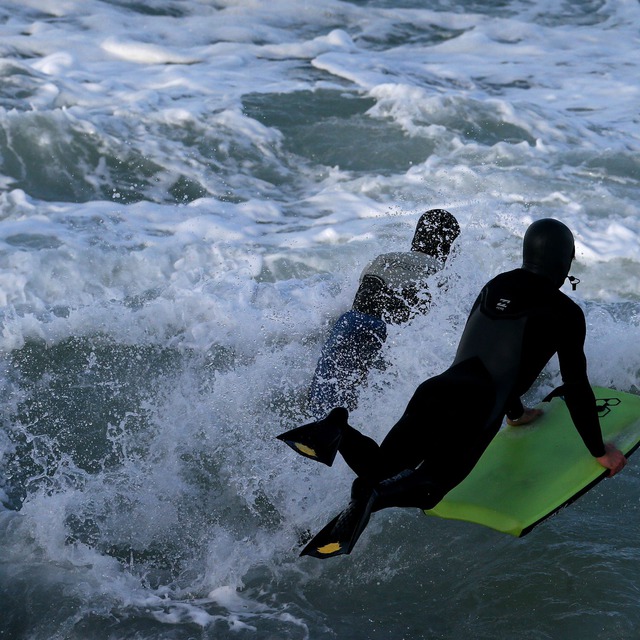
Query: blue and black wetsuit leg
{"points": [[347, 356]]}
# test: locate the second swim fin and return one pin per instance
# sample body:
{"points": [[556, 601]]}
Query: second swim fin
{"points": [[341, 534], [318, 440]]}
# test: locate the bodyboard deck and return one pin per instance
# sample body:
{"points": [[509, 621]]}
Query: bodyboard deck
{"points": [[528, 473]]}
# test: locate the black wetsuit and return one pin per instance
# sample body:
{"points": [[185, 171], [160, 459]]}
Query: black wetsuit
{"points": [[519, 321]]}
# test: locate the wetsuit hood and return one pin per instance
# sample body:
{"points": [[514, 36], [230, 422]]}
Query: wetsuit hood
{"points": [[548, 250], [435, 233]]}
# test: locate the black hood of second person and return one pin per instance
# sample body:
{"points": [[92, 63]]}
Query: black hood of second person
{"points": [[435, 232], [548, 250]]}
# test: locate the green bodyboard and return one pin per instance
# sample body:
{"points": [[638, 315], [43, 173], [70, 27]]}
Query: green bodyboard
{"points": [[528, 473]]}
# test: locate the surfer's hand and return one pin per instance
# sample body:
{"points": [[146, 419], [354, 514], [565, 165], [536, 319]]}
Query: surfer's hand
{"points": [[527, 417], [613, 459]]}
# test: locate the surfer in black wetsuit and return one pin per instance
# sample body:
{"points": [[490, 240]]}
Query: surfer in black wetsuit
{"points": [[519, 321], [393, 288]]}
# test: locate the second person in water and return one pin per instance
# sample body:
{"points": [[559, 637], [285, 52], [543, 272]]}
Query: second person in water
{"points": [[393, 288]]}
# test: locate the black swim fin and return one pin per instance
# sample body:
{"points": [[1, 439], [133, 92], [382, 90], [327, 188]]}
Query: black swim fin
{"points": [[318, 440], [341, 534]]}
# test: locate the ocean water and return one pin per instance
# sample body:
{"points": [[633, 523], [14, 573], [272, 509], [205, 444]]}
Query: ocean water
{"points": [[188, 192]]}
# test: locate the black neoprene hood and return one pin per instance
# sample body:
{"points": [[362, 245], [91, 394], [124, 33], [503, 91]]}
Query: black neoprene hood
{"points": [[435, 233], [548, 250]]}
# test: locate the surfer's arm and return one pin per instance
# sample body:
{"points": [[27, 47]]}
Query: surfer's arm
{"points": [[514, 408], [578, 393], [517, 414], [581, 403]]}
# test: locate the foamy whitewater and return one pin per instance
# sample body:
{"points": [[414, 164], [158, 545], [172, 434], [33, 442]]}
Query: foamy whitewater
{"points": [[189, 190]]}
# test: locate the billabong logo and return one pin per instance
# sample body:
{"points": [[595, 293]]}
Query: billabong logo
{"points": [[502, 305]]}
